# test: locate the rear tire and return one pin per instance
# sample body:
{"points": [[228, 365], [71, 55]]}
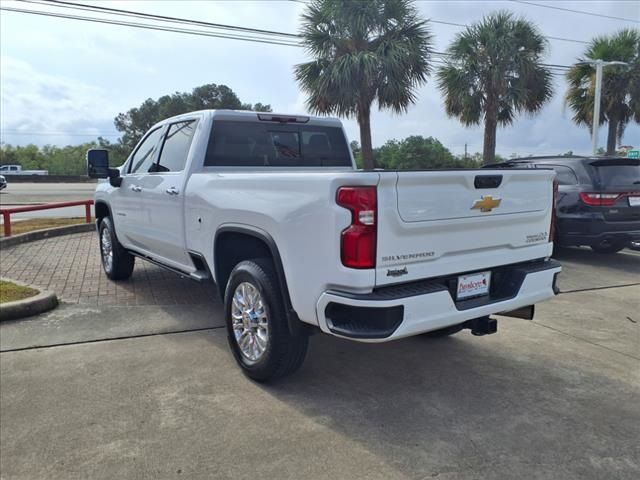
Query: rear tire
{"points": [[257, 327], [613, 248], [117, 263]]}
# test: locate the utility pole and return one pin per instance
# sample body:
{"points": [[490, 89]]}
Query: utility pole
{"points": [[599, 64], [465, 152]]}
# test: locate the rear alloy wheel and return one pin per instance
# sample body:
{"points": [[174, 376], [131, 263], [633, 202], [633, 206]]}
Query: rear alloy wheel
{"points": [[250, 321], [116, 261], [257, 326]]}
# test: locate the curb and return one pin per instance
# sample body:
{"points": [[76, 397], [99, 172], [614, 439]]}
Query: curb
{"points": [[40, 303], [46, 233]]}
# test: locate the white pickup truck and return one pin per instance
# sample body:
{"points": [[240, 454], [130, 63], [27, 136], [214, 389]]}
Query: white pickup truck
{"points": [[273, 210], [17, 170]]}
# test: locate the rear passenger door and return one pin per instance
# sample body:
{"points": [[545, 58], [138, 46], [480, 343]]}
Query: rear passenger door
{"points": [[163, 193]]}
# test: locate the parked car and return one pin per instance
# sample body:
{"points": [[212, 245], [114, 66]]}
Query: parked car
{"points": [[3, 182], [598, 202], [272, 208]]}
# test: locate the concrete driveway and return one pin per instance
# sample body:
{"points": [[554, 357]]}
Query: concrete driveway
{"points": [[151, 391]]}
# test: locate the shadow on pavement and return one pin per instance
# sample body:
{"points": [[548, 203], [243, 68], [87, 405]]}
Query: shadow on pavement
{"points": [[582, 268], [625, 260], [425, 405]]}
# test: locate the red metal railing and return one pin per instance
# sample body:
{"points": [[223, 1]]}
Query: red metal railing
{"points": [[6, 212]]}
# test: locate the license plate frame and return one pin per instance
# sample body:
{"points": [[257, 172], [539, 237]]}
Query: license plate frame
{"points": [[473, 285], [634, 201]]}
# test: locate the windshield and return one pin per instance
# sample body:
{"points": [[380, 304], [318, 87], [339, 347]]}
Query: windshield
{"points": [[617, 173], [249, 144]]}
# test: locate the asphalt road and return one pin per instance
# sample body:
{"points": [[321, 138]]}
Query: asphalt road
{"points": [[21, 194], [27, 193], [153, 392]]}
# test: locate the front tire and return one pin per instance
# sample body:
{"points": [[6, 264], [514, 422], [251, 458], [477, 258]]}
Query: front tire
{"points": [[257, 327], [117, 263]]}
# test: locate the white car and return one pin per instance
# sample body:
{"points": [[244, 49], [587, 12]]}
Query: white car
{"points": [[3, 182], [273, 210]]}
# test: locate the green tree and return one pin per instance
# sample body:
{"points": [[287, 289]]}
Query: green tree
{"points": [[417, 152], [68, 160], [378, 50], [136, 121], [494, 72], [620, 85]]}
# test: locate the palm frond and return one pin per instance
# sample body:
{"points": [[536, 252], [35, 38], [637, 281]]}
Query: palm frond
{"points": [[378, 50]]}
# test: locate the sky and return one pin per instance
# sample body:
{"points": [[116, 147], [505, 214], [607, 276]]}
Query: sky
{"points": [[63, 81]]}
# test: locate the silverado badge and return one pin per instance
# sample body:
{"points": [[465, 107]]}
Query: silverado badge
{"points": [[486, 203]]}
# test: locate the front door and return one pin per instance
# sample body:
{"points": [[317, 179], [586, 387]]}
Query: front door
{"points": [[163, 196], [130, 213]]}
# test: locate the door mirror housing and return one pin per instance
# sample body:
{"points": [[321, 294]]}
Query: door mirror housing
{"points": [[98, 163], [98, 166]]}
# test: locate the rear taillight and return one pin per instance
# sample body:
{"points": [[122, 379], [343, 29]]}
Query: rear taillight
{"points": [[552, 227], [358, 240], [600, 199]]}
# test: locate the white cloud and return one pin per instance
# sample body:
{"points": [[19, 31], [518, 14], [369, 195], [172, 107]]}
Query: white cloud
{"points": [[63, 75], [34, 102]]}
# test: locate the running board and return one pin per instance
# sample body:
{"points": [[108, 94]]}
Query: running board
{"points": [[198, 275]]}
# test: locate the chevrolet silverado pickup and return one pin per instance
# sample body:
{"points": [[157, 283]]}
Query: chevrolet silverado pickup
{"points": [[273, 210]]}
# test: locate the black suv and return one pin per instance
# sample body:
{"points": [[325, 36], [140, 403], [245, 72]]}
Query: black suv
{"points": [[598, 201]]}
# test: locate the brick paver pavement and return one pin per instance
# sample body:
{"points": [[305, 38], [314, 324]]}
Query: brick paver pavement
{"points": [[70, 266]]}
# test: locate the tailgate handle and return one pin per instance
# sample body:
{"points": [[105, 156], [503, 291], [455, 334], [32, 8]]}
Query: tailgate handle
{"points": [[487, 181]]}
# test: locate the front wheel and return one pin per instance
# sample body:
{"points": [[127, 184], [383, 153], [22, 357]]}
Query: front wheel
{"points": [[117, 263], [257, 327]]}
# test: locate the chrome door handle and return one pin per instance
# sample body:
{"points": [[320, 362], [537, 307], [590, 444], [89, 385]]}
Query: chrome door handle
{"points": [[172, 191], [135, 188]]}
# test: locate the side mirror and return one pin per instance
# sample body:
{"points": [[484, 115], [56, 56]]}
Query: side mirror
{"points": [[98, 167], [98, 163]]}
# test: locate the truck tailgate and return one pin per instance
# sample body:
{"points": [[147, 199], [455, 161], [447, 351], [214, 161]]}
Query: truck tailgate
{"points": [[436, 223]]}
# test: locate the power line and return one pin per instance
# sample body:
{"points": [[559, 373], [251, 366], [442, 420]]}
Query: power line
{"points": [[166, 29], [582, 12], [150, 27], [464, 25], [117, 11], [257, 39], [165, 18]]}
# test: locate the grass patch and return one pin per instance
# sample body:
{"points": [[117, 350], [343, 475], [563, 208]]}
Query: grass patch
{"points": [[10, 292], [24, 226]]}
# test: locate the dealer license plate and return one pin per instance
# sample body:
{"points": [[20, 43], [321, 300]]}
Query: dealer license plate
{"points": [[474, 285], [634, 201]]}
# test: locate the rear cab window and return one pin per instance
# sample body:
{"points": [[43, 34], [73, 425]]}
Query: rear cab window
{"points": [[262, 144]]}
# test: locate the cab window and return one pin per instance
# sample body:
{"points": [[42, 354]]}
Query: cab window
{"points": [[144, 157]]}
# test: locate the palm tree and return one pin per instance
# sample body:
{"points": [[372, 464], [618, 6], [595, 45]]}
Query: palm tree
{"points": [[620, 85], [493, 71], [364, 51]]}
